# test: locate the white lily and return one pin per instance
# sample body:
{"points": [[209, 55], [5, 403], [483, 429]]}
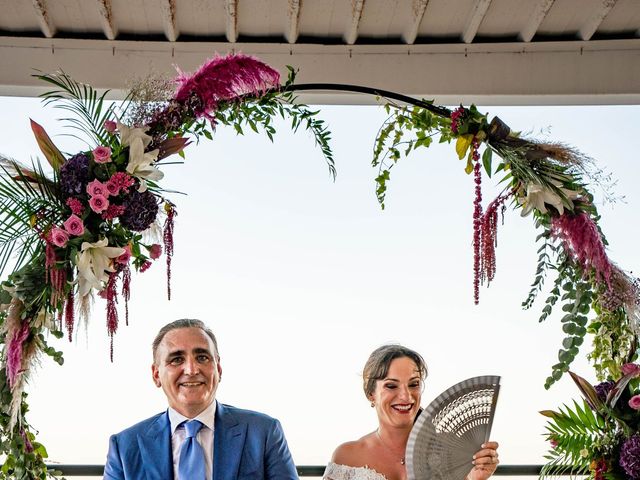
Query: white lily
{"points": [[94, 261], [141, 163], [129, 134], [539, 195], [44, 319]]}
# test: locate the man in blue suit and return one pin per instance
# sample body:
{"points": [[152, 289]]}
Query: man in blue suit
{"points": [[226, 443]]}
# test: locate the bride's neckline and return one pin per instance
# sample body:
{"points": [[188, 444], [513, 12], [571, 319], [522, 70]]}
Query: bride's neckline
{"points": [[363, 467]]}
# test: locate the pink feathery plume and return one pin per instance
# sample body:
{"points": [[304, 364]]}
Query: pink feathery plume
{"points": [[477, 221], [14, 352], [489, 238], [225, 78], [69, 314], [167, 237], [112, 311], [584, 243], [126, 292]]}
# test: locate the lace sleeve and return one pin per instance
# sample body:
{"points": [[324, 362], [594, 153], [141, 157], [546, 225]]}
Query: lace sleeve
{"points": [[336, 471]]}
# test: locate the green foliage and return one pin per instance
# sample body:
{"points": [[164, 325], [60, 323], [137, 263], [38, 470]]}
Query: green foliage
{"points": [[577, 433], [405, 130], [258, 114], [546, 254], [28, 201], [20, 462], [576, 297], [612, 339], [88, 109]]}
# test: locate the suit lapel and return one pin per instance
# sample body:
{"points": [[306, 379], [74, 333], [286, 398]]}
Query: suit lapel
{"points": [[229, 438], [155, 449]]}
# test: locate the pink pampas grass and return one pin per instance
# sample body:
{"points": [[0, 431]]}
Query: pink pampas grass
{"points": [[584, 244], [14, 352], [225, 78]]}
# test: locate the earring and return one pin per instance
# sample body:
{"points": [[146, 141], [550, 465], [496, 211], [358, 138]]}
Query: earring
{"points": [[373, 404]]}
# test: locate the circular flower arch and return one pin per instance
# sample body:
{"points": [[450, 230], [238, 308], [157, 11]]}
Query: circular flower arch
{"points": [[83, 228]]}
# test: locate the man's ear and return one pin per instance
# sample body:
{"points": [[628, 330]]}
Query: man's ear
{"points": [[219, 370], [155, 374]]}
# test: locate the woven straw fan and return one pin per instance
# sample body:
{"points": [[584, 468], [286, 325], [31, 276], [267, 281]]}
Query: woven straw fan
{"points": [[451, 429]]}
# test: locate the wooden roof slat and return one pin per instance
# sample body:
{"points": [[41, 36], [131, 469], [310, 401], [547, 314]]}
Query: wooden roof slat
{"points": [[539, 14], [356, 14], [231, 7], [106, 18], [293, 16], [419, 7], [169, 19], [479, 11], [44, 20], [591, 26]]}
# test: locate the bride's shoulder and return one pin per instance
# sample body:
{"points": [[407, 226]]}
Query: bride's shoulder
{"points": [[353, 452]]}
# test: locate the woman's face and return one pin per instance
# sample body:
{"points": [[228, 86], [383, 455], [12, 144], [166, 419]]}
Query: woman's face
{"points": [[397, 397]]}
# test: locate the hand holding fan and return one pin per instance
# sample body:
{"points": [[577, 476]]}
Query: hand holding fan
{"points": [[451, 429]]}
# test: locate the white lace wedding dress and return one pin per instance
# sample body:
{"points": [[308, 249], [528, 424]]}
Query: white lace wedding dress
{"points": [[335, 471]]}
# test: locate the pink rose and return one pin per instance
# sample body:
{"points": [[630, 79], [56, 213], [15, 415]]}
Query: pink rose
{"points": [[75, 205], [155, 251], [635, 402], [98, 203], [628, 368], [97, 188], [110, 126], [58, 237], [101, 154], [124, 258], [74, 225]]}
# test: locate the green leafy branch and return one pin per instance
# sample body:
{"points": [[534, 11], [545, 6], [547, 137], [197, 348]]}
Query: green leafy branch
{"points": [[574, 432]]}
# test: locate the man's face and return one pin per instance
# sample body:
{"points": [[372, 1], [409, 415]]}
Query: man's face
{"points": [[187, 367]]}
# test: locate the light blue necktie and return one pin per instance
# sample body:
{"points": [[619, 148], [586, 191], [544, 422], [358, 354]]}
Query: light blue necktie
{"points": [[192, 466]]}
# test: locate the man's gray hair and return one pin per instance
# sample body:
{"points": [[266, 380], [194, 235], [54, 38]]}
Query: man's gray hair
{"points": [[183, 323]]}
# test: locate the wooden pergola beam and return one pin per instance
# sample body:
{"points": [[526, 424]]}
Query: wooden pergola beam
{"points": [[539, 14], [419, 7], [169, 19], [106, 18], [46, 25], [231, 7], [356, 14], [591, 26], [477, 15], [293, 16]]}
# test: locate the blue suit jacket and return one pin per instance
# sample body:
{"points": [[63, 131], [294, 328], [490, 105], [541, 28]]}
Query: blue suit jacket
{"points": [[247, 445]]}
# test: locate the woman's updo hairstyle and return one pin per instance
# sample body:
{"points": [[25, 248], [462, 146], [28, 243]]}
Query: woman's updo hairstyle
{"points": [[377, 366]]}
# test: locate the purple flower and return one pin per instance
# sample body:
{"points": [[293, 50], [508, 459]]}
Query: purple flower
{"points": [[141, 210], [603, 389], [630, 456], [74, 175]]}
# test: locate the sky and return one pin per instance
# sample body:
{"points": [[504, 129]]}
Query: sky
{"points": [[301, 277]]}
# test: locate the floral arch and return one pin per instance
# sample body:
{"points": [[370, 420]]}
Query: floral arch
{"points": [[66, 234]]}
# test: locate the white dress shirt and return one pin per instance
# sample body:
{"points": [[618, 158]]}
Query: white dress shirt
{"points": [[204, 437]]}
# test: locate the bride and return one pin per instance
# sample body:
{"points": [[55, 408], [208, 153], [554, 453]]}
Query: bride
{"points": [[393, 380]]}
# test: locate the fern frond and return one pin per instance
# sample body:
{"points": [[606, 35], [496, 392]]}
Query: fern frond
{"points": [[89, 109], [29, 202]]}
